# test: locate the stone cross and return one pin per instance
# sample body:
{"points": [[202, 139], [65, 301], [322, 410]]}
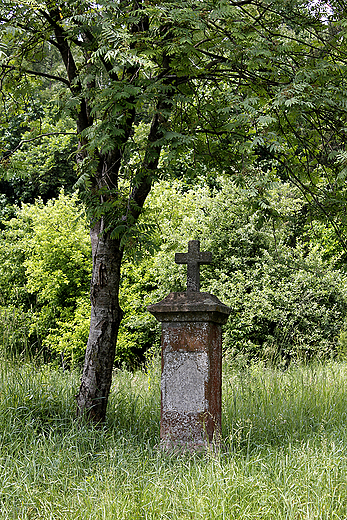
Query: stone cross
{"points": [[191, 342], [194, 258]]}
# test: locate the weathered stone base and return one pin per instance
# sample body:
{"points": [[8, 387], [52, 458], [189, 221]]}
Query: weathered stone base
{"points": [[184, 427], [192, 432], [191, 382], [191, 370]]}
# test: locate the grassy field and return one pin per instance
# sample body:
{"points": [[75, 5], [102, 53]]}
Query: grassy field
{"points": [[284, 453]]}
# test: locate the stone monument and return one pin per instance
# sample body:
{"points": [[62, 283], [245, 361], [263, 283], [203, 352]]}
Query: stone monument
{"points": [[191, 345]]}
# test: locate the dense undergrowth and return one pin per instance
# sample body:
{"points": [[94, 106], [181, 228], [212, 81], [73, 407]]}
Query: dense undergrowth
{"points": [[284, 279], [283, 452]]}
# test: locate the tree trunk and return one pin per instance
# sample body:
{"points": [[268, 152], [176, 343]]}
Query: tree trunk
{"points": [[106, 316], [107, 257]]}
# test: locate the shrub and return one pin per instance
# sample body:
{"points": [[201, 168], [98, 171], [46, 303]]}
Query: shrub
{"points": [[287, 299], [45, 259]]}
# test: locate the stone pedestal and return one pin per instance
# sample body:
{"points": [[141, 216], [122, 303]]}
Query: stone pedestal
{"points": [[191, 368]]}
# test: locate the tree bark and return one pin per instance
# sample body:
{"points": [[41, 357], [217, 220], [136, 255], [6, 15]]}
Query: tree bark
{"points": [[106, 316]]}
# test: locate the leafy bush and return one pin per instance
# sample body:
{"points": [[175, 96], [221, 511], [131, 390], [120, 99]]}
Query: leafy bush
{"points": [[139, 330], [69, 337], [45, 259], [285, 308], [287, 299]]}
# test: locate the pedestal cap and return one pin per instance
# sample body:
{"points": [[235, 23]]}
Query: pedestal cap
{"points": [[190, 306]]}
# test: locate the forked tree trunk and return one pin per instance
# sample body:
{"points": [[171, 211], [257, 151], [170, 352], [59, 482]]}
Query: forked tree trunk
{"points": [[106, 316], [107, 258], [107, 253]]}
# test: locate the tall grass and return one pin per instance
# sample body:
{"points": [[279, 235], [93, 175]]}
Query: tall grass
{"points": [[18, 337], [283, 456]]}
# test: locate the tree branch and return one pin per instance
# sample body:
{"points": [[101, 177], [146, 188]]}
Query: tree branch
{"points": [[23, 141], [34, 73]]}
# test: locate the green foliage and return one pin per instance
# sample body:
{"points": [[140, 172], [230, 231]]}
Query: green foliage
{"points": [[286, 308], [46, 264], [42, 165], [58, 263], [70, 335], [139, 331], [287, 297], [256, 91], [37, 144]]}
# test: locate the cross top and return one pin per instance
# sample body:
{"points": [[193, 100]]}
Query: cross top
{"points": [[193, 259]]}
